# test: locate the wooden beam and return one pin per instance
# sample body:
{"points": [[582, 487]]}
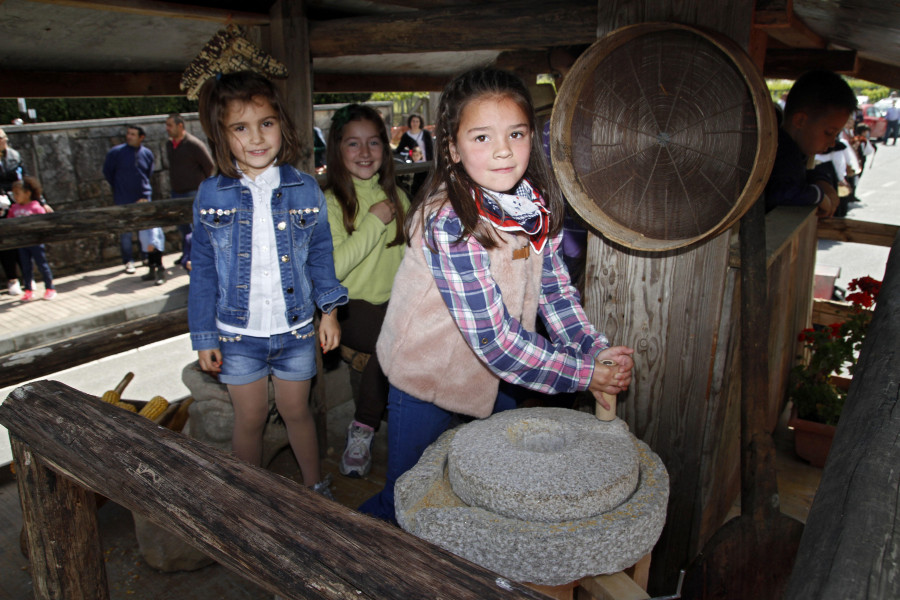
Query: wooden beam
{"points": [[860, 232], [790, 64], [88, 84], [850, 541], [290, 44], [152, 8], [777, 18], [826, 312], [494, 26], [289, 540], [60, 520], [74, 351], [75, 225], [877, 72], [368, 82]]}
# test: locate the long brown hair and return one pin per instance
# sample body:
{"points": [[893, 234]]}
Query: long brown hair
{"points": [[452, 177], [243, 86], [340, 181]]}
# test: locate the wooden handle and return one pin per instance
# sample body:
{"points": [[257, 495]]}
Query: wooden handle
{"points": [[125, 381], [602, 413]]}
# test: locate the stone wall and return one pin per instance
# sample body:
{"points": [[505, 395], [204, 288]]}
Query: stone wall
{"points": [[67, 158]]}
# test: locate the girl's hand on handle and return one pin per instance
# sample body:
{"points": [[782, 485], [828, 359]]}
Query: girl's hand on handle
{"points": [[210, 361], [329, 331], [611, 379], [384, 210]]}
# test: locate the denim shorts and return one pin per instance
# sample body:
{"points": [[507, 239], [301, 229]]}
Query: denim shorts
{"points": [[289, 356]]}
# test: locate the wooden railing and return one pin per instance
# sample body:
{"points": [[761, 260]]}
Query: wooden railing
{"points": [[826, 312], [70, 225], [850, 545], [272, 531]]}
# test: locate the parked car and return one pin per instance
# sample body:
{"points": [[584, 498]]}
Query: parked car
{"points": [[873, 116]]}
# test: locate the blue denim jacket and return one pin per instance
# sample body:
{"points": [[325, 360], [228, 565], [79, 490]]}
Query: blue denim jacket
{"points": [[220, 254]]}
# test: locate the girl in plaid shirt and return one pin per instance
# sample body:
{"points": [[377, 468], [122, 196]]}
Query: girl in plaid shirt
{"points": [[483, 261]]}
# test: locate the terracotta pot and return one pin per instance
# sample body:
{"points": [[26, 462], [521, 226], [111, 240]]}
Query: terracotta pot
{"points": [[812, 441]]}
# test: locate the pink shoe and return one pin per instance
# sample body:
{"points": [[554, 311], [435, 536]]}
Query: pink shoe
{"points": [[27, 295], [49, 294]]}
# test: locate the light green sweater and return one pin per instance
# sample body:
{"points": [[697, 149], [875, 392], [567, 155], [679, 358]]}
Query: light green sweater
{"points": [[362, 261]]}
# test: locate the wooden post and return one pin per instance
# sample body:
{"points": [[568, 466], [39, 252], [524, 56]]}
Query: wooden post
{"points": [[290, 45], [674, 309], [850, 543], [269, 529], [61, 527]]}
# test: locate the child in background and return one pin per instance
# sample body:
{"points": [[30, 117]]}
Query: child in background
{"points": [[817, 107], [261, 264], [365, 212], [153, 242], [484, 260], [27, 194]]}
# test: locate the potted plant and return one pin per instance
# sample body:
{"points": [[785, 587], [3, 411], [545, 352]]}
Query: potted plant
{"points": [[817, 391]]}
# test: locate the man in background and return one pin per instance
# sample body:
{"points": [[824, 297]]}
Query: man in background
{"points": [[128, 168], [190, 162]]}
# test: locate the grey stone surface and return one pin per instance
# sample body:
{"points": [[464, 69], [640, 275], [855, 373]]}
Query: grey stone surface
{"points": [[533, 551], [164, 551], [546, 464]]}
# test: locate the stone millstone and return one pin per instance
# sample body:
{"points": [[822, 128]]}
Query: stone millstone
{"points": [[532, 551], [543, 464]]}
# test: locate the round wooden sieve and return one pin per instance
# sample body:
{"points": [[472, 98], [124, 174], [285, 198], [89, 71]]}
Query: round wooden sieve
{"points": [[662, 135]]}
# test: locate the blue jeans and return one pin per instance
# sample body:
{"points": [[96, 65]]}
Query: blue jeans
{"points": [[288, 356], [184, 228], [893, 131], [413, 425], [126, 242], [36, 254]]}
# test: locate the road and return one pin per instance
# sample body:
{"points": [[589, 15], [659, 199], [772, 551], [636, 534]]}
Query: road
{"points": [[880, 202]]}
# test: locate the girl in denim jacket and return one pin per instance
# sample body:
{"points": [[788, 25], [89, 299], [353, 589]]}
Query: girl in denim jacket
{"points": [[262, 263]]}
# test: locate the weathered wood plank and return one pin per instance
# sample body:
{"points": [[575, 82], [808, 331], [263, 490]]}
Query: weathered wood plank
{"points": [[826, 312], [88, 84], [672, 308], [850, 547], [61, 526], [78, 224], [668, 306], [860, 232], [52, 358], [485, 26], [172, 10], [269, 529], [790, 64], [791, 259]]}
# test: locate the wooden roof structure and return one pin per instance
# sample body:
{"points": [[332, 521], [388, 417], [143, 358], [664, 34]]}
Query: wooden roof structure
{"points": [[70, 48]]}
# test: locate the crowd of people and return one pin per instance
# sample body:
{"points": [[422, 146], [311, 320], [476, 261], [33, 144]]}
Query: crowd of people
{"points": [[443, 291]]}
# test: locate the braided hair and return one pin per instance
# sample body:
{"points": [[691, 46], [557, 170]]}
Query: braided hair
{"points": [[452, 177]]}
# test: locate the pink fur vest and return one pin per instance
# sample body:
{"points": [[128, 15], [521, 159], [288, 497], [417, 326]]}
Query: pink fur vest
{"points": [[420, 348]]}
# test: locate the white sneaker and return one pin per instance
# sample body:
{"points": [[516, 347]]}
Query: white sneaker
{"points": [[129, 268], [357, 458], [14, 288]]}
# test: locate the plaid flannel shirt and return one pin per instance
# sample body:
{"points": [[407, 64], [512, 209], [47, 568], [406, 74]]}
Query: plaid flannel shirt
{"points": [[462, 273]]}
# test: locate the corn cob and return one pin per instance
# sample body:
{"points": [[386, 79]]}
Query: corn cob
{"points": [[114, 395], [125, 406], [154, 408]]}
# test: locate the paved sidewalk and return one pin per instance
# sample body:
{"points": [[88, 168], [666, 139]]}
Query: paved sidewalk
{"points": [[87, 301]]}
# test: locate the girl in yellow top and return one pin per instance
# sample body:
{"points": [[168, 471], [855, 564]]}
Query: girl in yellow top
{"points": [[366, 211]]}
